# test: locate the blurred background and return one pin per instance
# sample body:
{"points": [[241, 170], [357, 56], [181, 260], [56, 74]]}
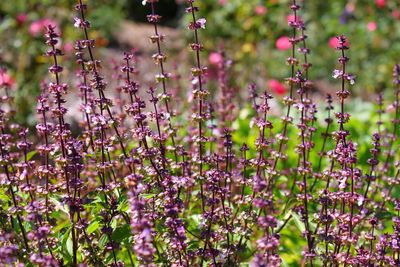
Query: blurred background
{"points": [[254, 34]]}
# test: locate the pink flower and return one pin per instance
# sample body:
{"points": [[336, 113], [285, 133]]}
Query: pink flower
{"points": [[276, 87], [215, 58], [396, 14], [5, 78], [290, 18], [21, 18], [283, 43], [37, 27], [260, 10], [222, 2], [334, 42], [371, 26], [380, 3], [68, 47]]}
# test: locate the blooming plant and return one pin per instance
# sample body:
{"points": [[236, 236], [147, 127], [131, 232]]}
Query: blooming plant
{"points": [[146, 182]]}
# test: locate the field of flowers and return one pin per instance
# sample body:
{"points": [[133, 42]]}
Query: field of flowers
{"points": [[194, 168]]}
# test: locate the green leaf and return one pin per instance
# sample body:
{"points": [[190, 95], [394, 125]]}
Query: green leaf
{"points": [[113, 223], [121, 233], [291, 203], [4, 197], [282, 179], [61, 225], [147, 196], [196, 218], [384, 215], [64, 245], [298, 222], [30, 155], [93, 227], [103, 241], [59, 206], [123, 206], [89, 155], [70, 245]]}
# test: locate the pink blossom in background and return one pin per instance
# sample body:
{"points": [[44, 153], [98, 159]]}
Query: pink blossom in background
{"points": [[283, 43], [380, 3], [396, 14], [37, 27], [215, 58], [222, 2], [6, 79], [371, 26], [290, 18], [68, 47], [276, 87], [21, 18], [350, 7], [334, 42], [47, 22], [260, 10]]}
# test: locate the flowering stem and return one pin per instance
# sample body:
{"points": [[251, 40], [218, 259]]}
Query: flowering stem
{"points": [[163, 80], [62, 132], [293, 62], [99, 85], [200, 101], [134, 98], [305, 168]]}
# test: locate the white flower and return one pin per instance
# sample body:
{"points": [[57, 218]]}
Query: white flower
{"points": [[195, 81], [202, 22], [351, 78], [337, 74], [78, 22]]}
